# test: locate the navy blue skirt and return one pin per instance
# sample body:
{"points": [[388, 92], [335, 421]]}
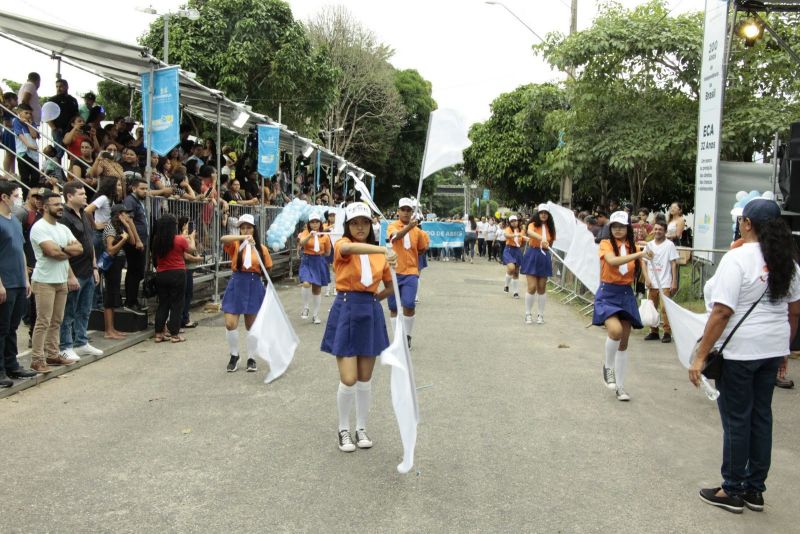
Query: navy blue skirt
{"points": [[614, 299], [314, 270], [244, 294], [512, 255], [355, 326], [537, 262]]}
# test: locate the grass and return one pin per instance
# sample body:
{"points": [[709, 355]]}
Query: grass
{"points": [[686, 295]]}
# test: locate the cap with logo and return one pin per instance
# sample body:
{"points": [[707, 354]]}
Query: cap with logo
{"points": [[357, 209], [406, 203], [619, 217]]}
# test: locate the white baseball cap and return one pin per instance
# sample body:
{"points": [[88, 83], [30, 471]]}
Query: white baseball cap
{"points": [[513, 218], [315, 216], [543, 207], [406, 203], [246, 219], [357, 209], [619, 217]]}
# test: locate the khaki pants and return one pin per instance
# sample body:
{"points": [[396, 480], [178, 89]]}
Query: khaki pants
{"points": [[653, 295], [50, 302]]}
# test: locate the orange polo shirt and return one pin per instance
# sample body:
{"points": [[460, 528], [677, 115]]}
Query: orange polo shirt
{"points": [[408, 259], [348, 269], [324, 244], [510, 237], [232, 250], [539, 229], [610, 274]]}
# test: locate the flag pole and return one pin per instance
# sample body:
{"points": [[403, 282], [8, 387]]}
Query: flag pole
{"points": [[422, 165]]}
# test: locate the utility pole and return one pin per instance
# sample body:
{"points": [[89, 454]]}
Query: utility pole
{"points": [[566, 181]]}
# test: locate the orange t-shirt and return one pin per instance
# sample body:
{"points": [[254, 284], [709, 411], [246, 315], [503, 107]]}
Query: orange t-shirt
{"points": [[348, 269], [611, 275], [324, 244], [408, 259], [541, 230], [510, 242], [232, 250]]}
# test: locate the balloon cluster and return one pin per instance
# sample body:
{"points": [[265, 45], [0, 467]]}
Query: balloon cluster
{"points": [[742, 198], [285, 223]]}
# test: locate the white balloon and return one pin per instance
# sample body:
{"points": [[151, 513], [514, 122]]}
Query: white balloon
{"points": [[50, 111], [740, 195], [769, 195]]}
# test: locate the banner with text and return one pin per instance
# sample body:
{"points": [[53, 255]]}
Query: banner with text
{"points": [[268, 149], [442, 234], [164, 128]]}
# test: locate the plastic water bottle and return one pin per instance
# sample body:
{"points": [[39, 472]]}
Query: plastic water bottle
{"points": [[711, 392]]}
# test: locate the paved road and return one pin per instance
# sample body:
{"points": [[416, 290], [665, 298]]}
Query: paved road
{"points": [[517, 435]]}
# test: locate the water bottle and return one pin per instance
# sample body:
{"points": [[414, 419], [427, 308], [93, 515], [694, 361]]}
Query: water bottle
{"points": [[711, 392]]}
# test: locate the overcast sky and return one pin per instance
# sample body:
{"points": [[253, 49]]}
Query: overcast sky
{"points": [[469, 50]]}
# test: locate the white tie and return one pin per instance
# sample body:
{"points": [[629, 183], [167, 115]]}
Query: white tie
{"points": [[623, 269], [247, 258], [316, 243], [406, 241], [544, 233], [516, 238], [366, 270]]}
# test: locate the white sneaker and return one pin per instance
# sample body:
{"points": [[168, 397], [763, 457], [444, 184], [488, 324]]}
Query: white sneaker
{"points": [[346, 441], [305, 314], [362, 440], [528, 318], [69, 354], [327, 292], [315, 320], [539, 319], [88, 350]]}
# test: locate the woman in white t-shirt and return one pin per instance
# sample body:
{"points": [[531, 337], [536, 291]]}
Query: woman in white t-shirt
{"points": [[482, 225], [491, 235], [661, 272], [761, 274]]}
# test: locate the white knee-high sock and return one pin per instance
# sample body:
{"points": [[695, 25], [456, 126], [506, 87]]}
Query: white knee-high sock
{"points": [[514, 286], [332, 285], [542, 302], [233, 341], [408, 324], [306, 293], [344, 402], [611, 351], [529, 300], [620, 363], [508, 280], [252, 347], [363, 397], [315, 302]]}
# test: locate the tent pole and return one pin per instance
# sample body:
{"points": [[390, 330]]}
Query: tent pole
{"points": [[215, 238], [148, 170]]}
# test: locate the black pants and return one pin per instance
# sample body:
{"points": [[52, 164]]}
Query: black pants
{"points": [[135, 274], [10, 315], [171, 287], [481, 247], [112, 280], [28, 171], [187, 296]]}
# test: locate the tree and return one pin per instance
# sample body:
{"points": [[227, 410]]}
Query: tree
{"points": [[254, 51], [116, 100]]}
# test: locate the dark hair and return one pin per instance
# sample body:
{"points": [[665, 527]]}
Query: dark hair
{"points": [[631, 248], [660, 221], [780, 255], [95, 113], [7, 187], [48, 196], [34, 76], [164, 231], [349, 235], [9, 95], [206, 171], [62, 80], [680, 207], [191, 167], [108, 187], [472, 224], [70, 188], [551, 226], [133, 184], [24, 107]]}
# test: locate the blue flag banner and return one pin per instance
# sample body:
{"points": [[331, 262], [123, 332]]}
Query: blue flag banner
{"points": [[165, 130], [442, 234], [268, 149]]}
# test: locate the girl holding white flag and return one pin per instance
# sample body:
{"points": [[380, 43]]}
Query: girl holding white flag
{"points": [[356, 330], [615, 304], [537, 264], [314, 274], [245, 290], [512, 255]]}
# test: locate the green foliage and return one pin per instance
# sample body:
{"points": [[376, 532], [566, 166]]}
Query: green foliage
{"points": [[116, 99], [14, 86]]}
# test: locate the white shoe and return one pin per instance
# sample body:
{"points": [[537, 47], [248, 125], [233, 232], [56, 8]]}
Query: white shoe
{"points": [[539, 319], [327, 292], [528, 318], [362, 440], [346, 441], [88, 350], [305, 314], [69, 354], [622, 396], [316, 320]]}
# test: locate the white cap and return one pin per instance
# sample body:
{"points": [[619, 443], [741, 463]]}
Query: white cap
{"points": [[619, 217], [543, 207], [315, 216], [406, 203], [513, 218], [357, 209], [737, 212], [246, 219]]}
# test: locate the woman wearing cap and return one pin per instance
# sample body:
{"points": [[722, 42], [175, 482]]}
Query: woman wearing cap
{"points": [[761, 274], [512, 255], [116, 234], [615, 304], [314, 246], [356, 331], [167, 248], [537, 265], [245, 290]]}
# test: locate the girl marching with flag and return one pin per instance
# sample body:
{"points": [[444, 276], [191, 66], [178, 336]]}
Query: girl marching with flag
{"points": [[314, 274], [537, 264], [245, 290], [615, 303], [512, 255], [356, 330]]}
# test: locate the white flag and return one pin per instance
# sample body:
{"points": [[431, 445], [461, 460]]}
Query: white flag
{"points": [[583, 258], [446, 141], [565, 223], [687, 328]]}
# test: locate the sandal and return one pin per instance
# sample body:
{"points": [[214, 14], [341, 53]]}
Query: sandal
{"points": [[159, 338], [177, 339]]}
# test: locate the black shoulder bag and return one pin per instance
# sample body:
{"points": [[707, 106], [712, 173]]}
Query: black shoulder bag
{"points": [[713, 365]]}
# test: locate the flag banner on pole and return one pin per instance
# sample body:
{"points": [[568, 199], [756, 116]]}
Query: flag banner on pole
{"points": [[165, 127], [273, 332], [268, 149], [565, 223], [583, 258], [687, 327], [447, 139]]}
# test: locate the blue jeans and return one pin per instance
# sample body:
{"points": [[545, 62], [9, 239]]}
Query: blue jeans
{"points": [[745, 407], [76, 315], [10, 315]]}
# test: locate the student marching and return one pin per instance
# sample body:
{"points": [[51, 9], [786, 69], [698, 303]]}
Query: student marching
{"points": [[537, 265], [313, 246], [512, 255]]}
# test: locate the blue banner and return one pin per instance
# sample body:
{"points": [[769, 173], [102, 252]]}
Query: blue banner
{"points": [[165, 131], [268, 149], [442, 234]]}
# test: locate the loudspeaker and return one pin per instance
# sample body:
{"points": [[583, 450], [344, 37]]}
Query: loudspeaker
{"points": [[794, 142], [793, 200], [124, 321]]}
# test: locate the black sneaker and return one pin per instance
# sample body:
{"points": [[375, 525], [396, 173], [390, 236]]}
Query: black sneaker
{"points": [[731, 503], [666, 338], [346, 441], [504, 289], [754, 501], [5, 382], [609, 378], [408, 338], [251, 365], [652, 336], [22, 373], [233, 365]]}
